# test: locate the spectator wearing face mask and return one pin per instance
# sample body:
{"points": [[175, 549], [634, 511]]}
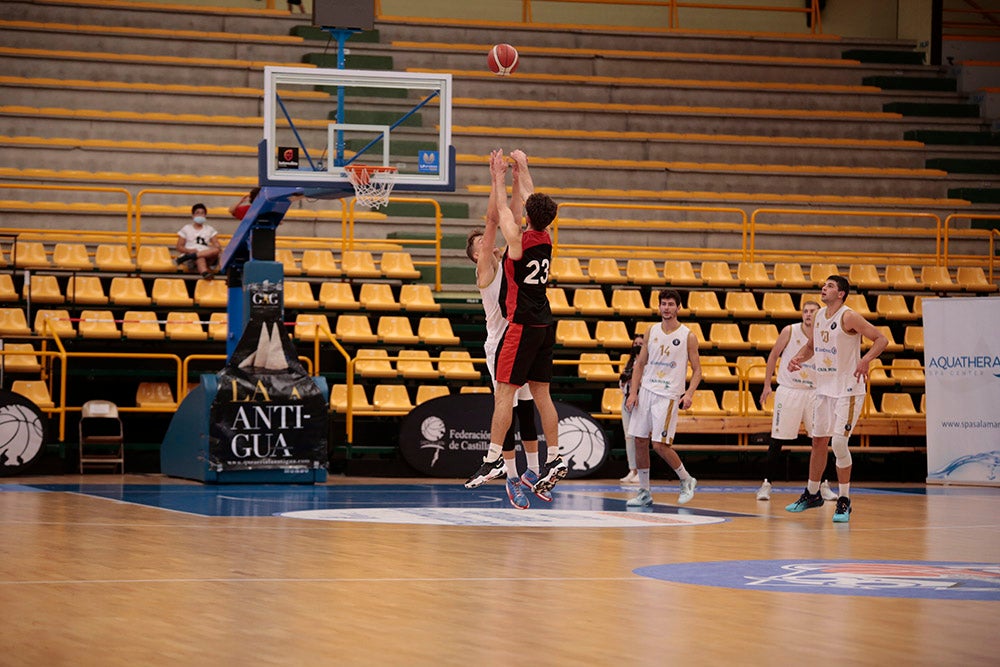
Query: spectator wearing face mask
{"points": [[198, 244]]}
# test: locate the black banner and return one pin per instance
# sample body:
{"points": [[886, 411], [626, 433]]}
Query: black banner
{"points": [[269, 413], [449, 436]]}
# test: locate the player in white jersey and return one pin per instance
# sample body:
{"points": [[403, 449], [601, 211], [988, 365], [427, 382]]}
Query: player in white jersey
{"points": [[793, 401], [841, 372], [657, 393]]}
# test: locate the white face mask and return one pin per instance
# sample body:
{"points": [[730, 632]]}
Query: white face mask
{"points": [[200, 219]]}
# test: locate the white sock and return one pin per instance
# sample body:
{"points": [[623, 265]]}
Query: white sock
{"points": [[682, 473], [812, 487], [550, 454], [644, 478], [532, 460], [511, 466], [494, 452], [844, 490]]}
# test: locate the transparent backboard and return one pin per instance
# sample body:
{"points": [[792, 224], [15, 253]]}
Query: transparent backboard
{"points": [[316, 121]]}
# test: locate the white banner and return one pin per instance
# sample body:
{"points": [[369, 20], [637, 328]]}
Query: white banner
{"points": [[962, 366]]}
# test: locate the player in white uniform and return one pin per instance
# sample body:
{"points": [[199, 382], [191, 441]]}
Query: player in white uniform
{"points": [[793, 401], [657, 393], [841, 373]]}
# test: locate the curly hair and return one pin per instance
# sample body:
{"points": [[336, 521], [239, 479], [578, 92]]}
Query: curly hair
{"points": [[541, 210]]}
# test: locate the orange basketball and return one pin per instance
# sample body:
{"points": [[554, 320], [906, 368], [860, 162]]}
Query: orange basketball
{"points": [[502, 59]]}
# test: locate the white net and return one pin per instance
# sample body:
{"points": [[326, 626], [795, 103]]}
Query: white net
{"points": [[372, 185]]}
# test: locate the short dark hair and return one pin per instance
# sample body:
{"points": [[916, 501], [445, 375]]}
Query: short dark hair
{"points": [[473, 235], [669, 294], [842, 284], [195, 208], [541, 210]]}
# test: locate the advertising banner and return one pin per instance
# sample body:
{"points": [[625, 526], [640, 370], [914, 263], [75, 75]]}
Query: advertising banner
{"points": [[962, 369], [449, 436]]}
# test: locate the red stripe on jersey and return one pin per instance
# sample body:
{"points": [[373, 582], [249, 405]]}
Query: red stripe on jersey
{"points": [[509, 346]]}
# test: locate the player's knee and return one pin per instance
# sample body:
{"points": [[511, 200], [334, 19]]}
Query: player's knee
{"points": [[841, 451]]}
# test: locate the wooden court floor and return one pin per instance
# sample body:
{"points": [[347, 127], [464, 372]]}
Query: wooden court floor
{"points": [[146, 570]]}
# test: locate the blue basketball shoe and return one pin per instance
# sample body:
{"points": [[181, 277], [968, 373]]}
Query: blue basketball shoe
{"points": [[516, 494], [530, 480]]}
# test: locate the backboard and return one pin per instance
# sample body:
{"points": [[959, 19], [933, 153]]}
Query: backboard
{"points": [[316, 121]]}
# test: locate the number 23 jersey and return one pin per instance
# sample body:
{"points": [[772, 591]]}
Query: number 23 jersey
{"points": [[522, 292]]}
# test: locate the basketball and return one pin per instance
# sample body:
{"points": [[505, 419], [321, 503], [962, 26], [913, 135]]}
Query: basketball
{"points": [[502, 59]]}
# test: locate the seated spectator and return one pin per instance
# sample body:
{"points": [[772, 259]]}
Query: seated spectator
{"points": [[198, 243], [240, 208]]}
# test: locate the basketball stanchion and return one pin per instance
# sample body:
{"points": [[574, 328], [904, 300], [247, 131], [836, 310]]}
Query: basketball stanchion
{"points": [[372, 184]]}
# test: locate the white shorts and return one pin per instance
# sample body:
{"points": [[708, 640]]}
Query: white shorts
{"points": [[523, 392], [792, 407], [836, 415], [654, 417]]}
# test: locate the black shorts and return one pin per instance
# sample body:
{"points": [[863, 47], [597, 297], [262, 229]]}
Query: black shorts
{"points": [[525, 354]]}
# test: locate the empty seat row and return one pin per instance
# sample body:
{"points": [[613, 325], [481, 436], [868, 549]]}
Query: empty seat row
{"points": [[789, 275], [391, 398], [416, 364], [148, 395]]}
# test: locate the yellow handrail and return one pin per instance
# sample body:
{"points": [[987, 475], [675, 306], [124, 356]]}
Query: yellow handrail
{"points": [[991, 258]]}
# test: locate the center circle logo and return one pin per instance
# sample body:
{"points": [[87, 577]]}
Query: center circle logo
{"points": [[432, 428]]}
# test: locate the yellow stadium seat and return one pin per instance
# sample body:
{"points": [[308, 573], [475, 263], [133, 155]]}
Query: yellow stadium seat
{"points": [[85, 291], [557, 301], [754, 275], [717, 274], [679, 273], [907, 372], [377, 296], [611, 401], [113, 257], [704, 403], [612, 333], [923, 404], [155, 259], [806, 298], [731, 399], [374, 363], [779, 305], [44, 289], [20, 358], [877, 376], [310, 325], [98, 324], [289, 263], [475, 389], [900, 276], [642, 272], [218, 328], [436, 331], [355, 329], [30, 255], [715, 369], [818, 273], [605, 271], [859, 304], [141, 324], [573, 333], [727, 336], [396, 330], [752, 367], [591, 302], [457, 365], [210, 293], [359, 264], [34, 390], [416, 364], [973, 279], [320, 263], [898, 405], [427, 392], [128, 292], [171, 293], [629, 303], [13, 322], [359, 399], [299, 294], [699, 334], [154, 395], [937, 278], [567, 270], [762, 336], [596, 367], [57, 321], [913, 338], [418, 297], [391, 398], [893, 307], [892, 346], [865, 276], [918, 305], [743, 306], [399, 266], [7, 291], [705, 304], [338, 296], [183, 325], [789, 275], [71, 256]]}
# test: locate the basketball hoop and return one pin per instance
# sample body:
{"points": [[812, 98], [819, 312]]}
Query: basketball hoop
{"points": [[372, 184]]}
